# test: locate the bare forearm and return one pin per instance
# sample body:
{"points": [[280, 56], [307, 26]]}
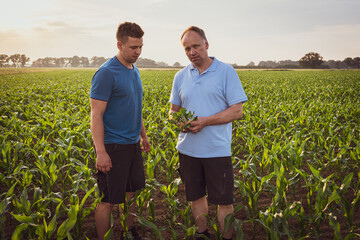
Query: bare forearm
{"points": [[226, 116], [97, 132], [230, 114], [143, 131]]}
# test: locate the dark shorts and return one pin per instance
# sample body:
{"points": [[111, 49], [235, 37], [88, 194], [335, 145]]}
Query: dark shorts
{"points": [[125, 175], [215, 175]]}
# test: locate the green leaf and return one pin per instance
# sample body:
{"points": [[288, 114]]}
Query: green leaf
{"points": [[109, 234], [30, 220], [11, 190], [4, 205], [150, 225], [66, 226], [17, 234]]}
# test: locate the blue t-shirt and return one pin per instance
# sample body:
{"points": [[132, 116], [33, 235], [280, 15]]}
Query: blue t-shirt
{"points": [[121, 88], [213, 91]]}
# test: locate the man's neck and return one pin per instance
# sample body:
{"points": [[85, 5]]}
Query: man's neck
{"points": [[206, 64], [123, 61]]}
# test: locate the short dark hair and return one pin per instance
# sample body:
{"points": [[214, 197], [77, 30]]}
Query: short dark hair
{"points": [[195, 29], [128, 29]]}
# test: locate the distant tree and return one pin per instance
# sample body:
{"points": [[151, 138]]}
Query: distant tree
{"points": [[288, 63], [75, 61], [97, 61], [145, 63], [357, 62], [24, 60], [251, 64], [48, 62], [162, 64], [84, 61], [37, 63], [331, 63], [266, 64], [177, 65], [349, 62], [15, 59], [94, 61], [311, 60], [4, 59], [341, 64], [59, 62]]}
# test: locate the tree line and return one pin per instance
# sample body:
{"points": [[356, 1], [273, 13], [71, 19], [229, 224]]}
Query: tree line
{"points": [[17, 60], [69, 62], [310, 60]]}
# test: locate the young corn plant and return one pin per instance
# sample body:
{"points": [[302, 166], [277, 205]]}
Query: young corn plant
{"points": [[348, 207], [182, 119], [322, 190], [174, 203], [251, 187]]}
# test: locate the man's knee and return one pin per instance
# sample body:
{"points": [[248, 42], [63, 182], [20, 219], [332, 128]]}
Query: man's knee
{"points": [[105, 205], [226, 208]]}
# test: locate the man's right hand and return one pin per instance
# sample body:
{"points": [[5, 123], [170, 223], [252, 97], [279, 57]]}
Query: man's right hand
{"points": [[103, 162]]}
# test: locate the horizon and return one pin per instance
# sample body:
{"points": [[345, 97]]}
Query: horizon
{"points": [[238, 32]]}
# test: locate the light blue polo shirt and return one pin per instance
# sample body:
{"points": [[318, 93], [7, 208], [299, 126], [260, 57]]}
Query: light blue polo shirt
{"points": [[213, 91], [121, 88]]}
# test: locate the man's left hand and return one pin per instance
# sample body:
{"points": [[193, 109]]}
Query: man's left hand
{"points": [[198, 125], [145, 145]]}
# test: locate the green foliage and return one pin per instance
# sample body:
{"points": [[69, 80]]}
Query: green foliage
{"points": [[300, 133], [182, 119]]}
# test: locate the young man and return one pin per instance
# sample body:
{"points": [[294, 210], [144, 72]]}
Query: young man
{"points": [[213, 91], [117, 127]]}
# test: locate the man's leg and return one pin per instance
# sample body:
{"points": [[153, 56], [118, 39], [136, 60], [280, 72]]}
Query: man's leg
{"points": [[199, 207], [223, 211], [102, 218]]}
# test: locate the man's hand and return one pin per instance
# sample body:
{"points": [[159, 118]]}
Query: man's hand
{"points": [[198, 125], [103, 162], [185, 130], [145, 145]]}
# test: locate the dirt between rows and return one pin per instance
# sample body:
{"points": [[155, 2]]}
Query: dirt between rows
{"points": [[161, 211], [250, 232]]}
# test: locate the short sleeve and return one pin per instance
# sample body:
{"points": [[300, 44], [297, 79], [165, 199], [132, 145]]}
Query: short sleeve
{"points": [[233, 90], [174, 96], [101, 85]]}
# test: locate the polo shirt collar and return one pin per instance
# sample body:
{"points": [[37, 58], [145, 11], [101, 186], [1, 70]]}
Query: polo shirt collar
{"points": [[212, 67]]}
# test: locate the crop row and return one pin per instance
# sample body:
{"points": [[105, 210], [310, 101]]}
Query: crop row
{"points": [[295, 153]]}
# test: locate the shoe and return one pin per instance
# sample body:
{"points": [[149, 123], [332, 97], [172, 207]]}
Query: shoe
{"points": [[132, 234], [203, 236], [135, 234]]}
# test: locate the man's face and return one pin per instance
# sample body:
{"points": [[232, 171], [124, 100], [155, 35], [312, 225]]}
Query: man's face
{"points": [[131, 50], [195, 47]]}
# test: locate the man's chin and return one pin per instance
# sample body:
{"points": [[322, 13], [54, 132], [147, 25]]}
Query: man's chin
{"points": [[135, 59], [195, 60]]}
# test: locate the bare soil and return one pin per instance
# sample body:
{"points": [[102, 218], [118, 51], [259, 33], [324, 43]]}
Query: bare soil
{"points": [[253, 232]]}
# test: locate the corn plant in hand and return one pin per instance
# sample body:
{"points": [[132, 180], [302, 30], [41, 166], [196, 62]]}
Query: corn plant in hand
{"points": [[182, 119]]}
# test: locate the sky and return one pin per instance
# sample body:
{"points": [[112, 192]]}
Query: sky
{"points": [[238, 31]]}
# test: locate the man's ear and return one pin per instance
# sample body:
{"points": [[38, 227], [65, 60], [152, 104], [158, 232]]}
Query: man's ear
{"points": [[206, 44], [119, 44]]}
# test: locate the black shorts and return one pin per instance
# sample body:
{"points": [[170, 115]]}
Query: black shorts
{"points": [[125, 175], [215, 175]]}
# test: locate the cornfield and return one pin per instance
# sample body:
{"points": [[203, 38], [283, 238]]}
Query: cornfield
{"points": [[296, 158]]}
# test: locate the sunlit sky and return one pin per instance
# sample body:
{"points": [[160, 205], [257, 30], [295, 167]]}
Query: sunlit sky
{"points": [[238, 31]]}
